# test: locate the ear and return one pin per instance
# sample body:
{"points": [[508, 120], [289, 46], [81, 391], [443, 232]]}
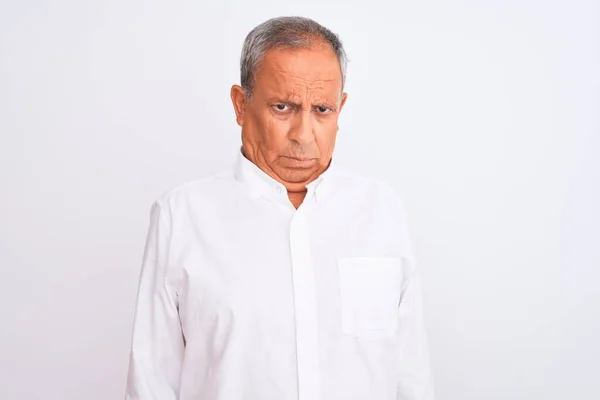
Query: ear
{"points": [[342, 102], [344, 98], [239, 99]]}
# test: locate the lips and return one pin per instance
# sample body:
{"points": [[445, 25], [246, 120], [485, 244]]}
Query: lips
{"points": [[300, 158], [299, 162]]}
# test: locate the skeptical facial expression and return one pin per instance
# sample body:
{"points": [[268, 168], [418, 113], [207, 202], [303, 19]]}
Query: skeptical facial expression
{"points": [[290, 122]]}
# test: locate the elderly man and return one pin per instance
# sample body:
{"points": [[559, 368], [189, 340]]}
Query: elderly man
{"points": [[283, 277]]}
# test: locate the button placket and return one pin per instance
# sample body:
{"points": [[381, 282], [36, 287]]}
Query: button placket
{"points": [[305, 304]]}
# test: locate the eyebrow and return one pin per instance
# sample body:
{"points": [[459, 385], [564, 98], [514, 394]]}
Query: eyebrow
{"points": [[290, 101]]}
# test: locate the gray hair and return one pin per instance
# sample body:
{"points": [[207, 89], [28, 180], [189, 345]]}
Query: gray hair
{"points": [[285, 32]]}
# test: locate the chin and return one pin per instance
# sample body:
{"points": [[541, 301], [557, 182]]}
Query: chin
{"points": [[296, 175]]}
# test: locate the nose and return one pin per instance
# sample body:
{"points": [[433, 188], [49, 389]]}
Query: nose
{"points": [[302, 129]]}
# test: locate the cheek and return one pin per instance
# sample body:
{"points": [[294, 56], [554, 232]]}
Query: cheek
{"points": [[325, 134], [266, 129], [276, 131]]}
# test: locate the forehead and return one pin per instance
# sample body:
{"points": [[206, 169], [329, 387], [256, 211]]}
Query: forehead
{"points": [[296, 71]]}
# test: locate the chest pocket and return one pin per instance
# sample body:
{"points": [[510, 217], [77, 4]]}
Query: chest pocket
{"points": [[370, 293]]}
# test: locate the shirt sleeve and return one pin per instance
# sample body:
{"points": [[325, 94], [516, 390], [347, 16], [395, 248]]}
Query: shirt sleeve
{"points": [[414, 373], [157, 345], [413, 364]]}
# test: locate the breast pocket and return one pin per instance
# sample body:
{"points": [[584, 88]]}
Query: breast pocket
{"points": [[370, 293]]}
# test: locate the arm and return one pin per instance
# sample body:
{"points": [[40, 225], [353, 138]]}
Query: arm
{"points": [[413, 367], [414, 375], [158, 345]]}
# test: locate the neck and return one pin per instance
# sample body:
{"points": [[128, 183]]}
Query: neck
{"points": [[296, 198]]}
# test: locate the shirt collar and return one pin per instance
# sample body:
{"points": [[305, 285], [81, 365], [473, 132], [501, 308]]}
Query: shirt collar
{"points": [[259, 184]]}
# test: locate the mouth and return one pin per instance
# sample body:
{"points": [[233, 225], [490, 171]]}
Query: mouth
{"points": [[299, 158], [299, 162]]}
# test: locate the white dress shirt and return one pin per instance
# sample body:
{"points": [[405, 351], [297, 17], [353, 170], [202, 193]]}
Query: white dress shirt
{"points": [[243, 297]]}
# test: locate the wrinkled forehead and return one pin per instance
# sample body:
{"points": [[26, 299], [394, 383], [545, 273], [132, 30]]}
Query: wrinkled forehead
{"points": [[297, 72]]}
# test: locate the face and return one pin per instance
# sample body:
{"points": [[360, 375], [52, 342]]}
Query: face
{"points": [[290, 123]]}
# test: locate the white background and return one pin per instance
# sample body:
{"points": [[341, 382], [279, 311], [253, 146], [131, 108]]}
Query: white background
{"points": [[482, 114]]}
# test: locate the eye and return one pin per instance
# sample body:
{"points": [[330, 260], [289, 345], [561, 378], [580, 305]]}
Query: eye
{"points": [[281, 107], [322, 109]]}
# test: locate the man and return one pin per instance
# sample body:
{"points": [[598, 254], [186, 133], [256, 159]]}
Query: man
{"points": [[282, 278]]}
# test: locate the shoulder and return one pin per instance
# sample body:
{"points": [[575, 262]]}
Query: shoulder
{"points": [[198, 190], [375, 189]]}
